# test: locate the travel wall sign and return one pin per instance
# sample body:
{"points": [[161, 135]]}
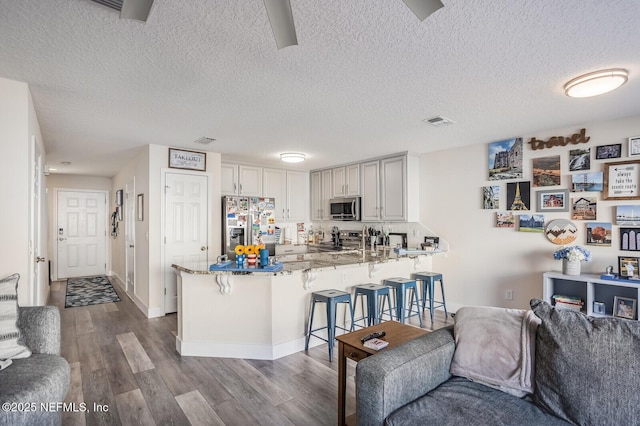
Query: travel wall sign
{"points": [[188, 160], [574, 139], [622, 180]]}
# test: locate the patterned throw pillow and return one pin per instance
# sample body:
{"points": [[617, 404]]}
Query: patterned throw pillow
{"points": [[11, 346]]}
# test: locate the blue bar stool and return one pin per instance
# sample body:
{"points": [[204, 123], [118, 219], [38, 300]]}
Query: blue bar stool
{"points": [[373, 293], [331, 298], [428, 290], [401, 287]]}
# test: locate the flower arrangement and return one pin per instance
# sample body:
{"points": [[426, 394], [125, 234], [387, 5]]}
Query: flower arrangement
{"points": [[573, 254]]}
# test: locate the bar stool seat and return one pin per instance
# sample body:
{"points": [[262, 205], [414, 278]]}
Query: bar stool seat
{"points": [[331, 298], [428, 280], [373, 293], [400, 287]]}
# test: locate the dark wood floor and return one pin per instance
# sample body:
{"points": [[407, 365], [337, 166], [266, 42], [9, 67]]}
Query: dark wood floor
{"points": [[126, 370]]}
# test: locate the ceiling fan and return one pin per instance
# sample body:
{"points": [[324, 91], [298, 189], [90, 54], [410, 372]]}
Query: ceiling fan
{"points": [[129, 9], [284, 30]]}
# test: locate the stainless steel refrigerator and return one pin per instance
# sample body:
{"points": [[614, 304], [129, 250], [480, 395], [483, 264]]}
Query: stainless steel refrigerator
{"points": [[248, 220]]}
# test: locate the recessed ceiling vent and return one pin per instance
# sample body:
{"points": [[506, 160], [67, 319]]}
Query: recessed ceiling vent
{"points": [[205, 140], [438, 121], [129, 9]]}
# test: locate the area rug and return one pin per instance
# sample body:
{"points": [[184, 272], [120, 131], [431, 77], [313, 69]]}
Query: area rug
{"points": [[85, 291]]}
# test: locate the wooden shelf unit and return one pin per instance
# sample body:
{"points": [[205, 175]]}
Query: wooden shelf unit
{"points": [[590, 288]]}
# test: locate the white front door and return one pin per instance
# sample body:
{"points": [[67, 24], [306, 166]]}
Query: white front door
{"points": [[130, 239], [81, 233], [37, 244], [186, 233]]}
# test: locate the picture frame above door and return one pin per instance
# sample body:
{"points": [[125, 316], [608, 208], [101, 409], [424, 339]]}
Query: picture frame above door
{"points": [[187, 160]]}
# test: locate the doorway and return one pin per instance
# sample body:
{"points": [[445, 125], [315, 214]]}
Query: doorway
{"points": [[81, 233], [39, 280], [185, 228], [130, 239]]}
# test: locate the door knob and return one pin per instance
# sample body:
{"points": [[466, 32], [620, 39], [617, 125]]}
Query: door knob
{"points": [[203, 248], [130, 245], [61, 239], [40, 259]]}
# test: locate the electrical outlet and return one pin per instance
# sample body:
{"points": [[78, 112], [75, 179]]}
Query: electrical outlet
{"points": [[508, 295]]}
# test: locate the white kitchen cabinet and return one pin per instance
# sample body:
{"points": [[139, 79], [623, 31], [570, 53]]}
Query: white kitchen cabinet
{"points": [[321, 189], [274, 185], [370, 202], [297, 196], [241, 179], [345, 181], [393, 188]]}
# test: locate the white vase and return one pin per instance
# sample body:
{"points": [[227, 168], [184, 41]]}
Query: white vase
{"points": [[571, 267]]}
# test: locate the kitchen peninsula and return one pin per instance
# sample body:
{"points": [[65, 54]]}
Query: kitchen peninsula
{"points": [[262, 315]]}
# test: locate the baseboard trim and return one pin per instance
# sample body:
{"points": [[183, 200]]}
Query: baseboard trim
{"points": [[243, 351], [154, 312]]}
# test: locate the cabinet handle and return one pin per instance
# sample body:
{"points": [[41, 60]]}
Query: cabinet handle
{"points": [[240, 189], [235, 187], [288, 214]]}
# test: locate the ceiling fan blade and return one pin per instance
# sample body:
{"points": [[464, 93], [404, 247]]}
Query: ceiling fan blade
{"points": [[281, 18], [423, 8], [136, 9]]}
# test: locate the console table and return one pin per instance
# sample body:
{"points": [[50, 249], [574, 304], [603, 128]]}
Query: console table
{"points": [[590, 288], [350, 346]]}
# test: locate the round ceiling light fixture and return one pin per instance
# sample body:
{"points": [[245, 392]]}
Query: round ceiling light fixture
{"points": [[596, 83], [292, 157]]}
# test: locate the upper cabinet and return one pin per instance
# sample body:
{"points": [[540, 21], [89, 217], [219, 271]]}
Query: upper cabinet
{"points": [[240, 179], [388, 187], [321, 193], [297, 196], [274, 184], [345, 181]]}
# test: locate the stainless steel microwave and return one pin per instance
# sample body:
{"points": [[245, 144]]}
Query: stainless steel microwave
{"points": [[345, 208]]}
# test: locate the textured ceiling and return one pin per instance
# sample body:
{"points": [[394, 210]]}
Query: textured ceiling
{"points": [[363, 77]]}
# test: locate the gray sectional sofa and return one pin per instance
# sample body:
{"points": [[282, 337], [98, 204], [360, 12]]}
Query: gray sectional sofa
{"points": [[31, 389], [586, 372]]}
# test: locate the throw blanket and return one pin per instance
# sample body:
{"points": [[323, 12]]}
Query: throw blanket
{"points": [[496, 347]]}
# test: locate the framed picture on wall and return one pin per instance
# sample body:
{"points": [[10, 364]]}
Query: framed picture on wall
{"points": [[187, 160], [630, 239], [621, 180], [634, 146], [604, 152], [556, 200]]}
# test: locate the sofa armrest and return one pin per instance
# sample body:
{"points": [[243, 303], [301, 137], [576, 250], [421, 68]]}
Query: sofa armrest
{"points": [[40, 329], [390, 379]]}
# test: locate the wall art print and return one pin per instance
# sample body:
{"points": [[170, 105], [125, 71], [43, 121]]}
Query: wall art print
{"points": [[491, 197], [630, 239], [553, 200], [531, 223], [519, 195], [604, 152], [505, 220], [546, 171], [628, 215], [561, 231], [579, 159], [584, 208], [599, 234], [585, 182], [505, 159]]}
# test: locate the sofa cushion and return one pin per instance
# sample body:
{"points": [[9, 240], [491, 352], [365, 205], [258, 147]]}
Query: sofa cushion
{"points": [[495, 347], [459, 401], [587, 368], [11, 346]]}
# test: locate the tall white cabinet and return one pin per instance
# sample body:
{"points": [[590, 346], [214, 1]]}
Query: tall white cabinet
{"points": [[321, 188]]}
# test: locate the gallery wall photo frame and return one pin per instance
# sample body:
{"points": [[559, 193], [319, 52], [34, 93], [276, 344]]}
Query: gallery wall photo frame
{"points": [[621, 180], [604, 152], [187, 160], [140, 207], [555, 200], [634, 146]]}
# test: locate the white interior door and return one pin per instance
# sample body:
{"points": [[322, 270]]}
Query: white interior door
{"points": [[39, 279], [186, 233], [130, 239], [81, 233]]}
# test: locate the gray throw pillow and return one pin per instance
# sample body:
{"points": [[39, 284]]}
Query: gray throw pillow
{"points": [[11, 346], [587, 369]]}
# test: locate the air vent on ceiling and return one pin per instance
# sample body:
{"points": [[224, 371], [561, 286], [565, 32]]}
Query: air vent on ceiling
{"points": [[438, 121], [205, 140], [129, 9]]}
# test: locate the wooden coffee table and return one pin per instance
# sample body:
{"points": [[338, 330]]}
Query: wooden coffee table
{"points": [[350, 346]]}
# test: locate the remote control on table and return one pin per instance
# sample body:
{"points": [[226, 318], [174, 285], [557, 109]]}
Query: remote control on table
{"points": [[374, 335]]}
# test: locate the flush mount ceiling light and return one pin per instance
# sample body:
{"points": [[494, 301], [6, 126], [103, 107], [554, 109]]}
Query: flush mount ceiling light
{"points": [[423, 8], [292, 157], [596, 83]]}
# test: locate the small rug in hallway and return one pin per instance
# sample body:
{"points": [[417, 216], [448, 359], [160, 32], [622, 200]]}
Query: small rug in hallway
{"points": [[85, 291]]}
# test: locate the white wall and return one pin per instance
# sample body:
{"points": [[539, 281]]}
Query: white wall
{"points": [[17, 124], [483, 260]]}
